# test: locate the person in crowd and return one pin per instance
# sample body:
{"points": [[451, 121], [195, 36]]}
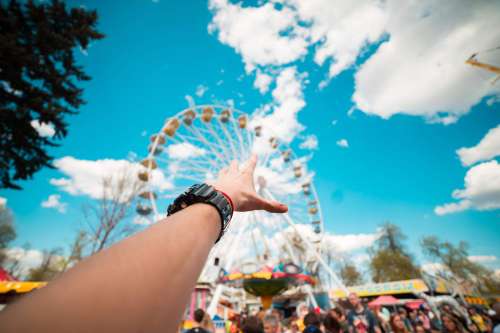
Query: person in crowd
{"points": [[424, 319], [478, 320], [207, 323], [338, 313], [451, 324], [272, 323], [359, 318], [404, 317], [143, 282], [331, 323], [413, 318], [302, 311], [198, 315], [382, 321], [398, 324], [252, 324], [312, 323], [419, 328]]}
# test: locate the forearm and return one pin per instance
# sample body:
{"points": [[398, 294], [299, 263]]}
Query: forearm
{"points": [[138, 285]]}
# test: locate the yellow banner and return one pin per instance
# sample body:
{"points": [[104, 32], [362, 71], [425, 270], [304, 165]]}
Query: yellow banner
{"points": [[387, 288]]}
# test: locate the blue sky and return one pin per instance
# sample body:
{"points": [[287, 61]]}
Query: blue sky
{"points": [[397, 168]]}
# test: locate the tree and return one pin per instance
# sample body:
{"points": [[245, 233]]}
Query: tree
{"points": [[77, 248], [50, 267], [38, 80], [455, 261], [389, 258], [350, 274], [107, 221], [7, 232]]}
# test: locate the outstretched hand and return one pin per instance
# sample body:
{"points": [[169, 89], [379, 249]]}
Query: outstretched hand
{"points": [[238, 184]]}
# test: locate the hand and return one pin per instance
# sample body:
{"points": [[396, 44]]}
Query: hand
{"points": [[238, 185]]}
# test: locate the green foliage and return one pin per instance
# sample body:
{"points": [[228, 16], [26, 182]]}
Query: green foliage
{"points": [[7, 232], [38, 79], [350, 275], [52, 265], [387, 265], [455, 260], [389, 258]]}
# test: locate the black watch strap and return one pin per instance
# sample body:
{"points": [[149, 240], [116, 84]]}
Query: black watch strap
{"points": [[204, 193]]}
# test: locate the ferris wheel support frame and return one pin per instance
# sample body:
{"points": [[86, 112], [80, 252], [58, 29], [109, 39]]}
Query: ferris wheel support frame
{"points": [[212, 308], [311, 247]]}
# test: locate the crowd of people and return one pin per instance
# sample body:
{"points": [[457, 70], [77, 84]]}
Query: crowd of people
{"points": [[357, 317]]}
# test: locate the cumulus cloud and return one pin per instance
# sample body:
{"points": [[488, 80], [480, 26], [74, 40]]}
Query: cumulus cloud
{"points": [[310, 142], [487, 148], [481, 191], [184, 150], [433, 267], [262, 81], [483, 259], [54, 201], [343, 143], [43, 129], [420, 70], [340, 29], [27, 259], [201, 90], [288, 97], [350, 242], [86, 177], [262, 35]]}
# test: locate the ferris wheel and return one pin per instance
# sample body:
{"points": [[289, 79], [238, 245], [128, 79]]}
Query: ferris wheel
{"points": [[194, 145]]}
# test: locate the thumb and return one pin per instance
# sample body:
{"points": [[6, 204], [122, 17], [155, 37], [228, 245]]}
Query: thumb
{"points": [[272, 206]]}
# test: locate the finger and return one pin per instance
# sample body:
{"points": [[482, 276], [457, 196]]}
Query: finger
{"points": [[233, 166], [251, 163], [272, 206]]}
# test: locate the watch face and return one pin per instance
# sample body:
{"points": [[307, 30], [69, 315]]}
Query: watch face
{"points": [[203, 191]]}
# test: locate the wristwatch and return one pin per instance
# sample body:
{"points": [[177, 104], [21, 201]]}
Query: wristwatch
{"points": [[204, 193]]}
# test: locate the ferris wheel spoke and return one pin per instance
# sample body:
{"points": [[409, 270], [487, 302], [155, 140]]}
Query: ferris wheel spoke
{"points": [[212, 148], [215, 135], [240, 140], [194, 131], [229, 138]]}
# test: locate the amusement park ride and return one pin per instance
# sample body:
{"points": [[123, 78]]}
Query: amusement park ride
{"points": [[263, 253]]}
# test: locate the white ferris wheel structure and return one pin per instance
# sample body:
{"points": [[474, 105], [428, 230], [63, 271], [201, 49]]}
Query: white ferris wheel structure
{"points": [[194, 145]]}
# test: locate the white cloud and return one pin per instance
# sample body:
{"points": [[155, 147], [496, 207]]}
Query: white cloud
{"points": [[201, 90], [28, 259], [483, 258], [433, 267], [420, 69], [262, 35], [288, 101], [481, 192], [310, 142], [262, 81], [43, 129], [487, 148], [453, 207], [350, 242], [340, 29], [53, 201], [184, 150], [3, 202], [343, 143], [86, 177]]}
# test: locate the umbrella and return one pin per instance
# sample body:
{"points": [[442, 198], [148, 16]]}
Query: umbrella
{"points": [[384, 300]]}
